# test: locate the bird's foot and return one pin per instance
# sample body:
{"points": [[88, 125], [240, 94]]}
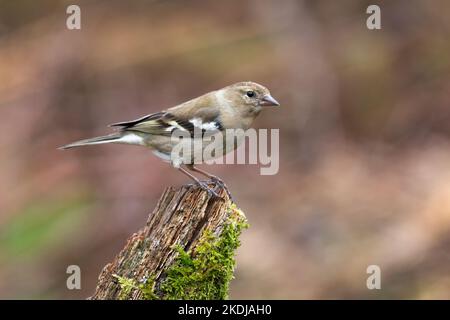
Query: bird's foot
{"points": [[219, 182], [210, 191]]}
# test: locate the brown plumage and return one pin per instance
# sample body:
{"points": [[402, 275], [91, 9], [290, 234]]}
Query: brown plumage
{"points": [[232, 107]]}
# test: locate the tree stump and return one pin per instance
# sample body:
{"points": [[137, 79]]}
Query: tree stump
{"points": [[185, 251]]}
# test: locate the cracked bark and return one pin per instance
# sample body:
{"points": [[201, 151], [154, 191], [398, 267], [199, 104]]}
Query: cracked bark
{"points": [[180, 217]]}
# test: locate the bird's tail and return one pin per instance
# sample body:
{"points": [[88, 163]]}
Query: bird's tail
{"points": [[115, 137]]}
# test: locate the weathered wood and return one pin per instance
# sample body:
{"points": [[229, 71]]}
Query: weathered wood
{"points": [[180, 218]]}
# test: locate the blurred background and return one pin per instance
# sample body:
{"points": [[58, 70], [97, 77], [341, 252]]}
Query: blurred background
{"points": [[364, 139]]}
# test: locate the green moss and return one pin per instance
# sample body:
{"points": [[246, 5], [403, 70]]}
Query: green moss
{"points": [[200, 275], [128, 285], [206, 273]]}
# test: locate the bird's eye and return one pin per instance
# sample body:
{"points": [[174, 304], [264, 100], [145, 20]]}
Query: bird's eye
{"points": [[250, 94]]}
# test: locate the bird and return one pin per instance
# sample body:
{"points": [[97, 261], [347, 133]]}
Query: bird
{"points": [[233, 107]]}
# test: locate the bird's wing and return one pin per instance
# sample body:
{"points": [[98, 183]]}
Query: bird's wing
{"points": [[127, 124], [164, 123]]}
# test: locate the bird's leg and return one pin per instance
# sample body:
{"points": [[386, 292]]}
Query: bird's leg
{"points": [[206, 174], [202, 185], [214, 178]]}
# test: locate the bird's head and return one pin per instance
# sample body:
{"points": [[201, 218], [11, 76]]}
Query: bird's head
{"points": [[249, 97], [251, 94]]}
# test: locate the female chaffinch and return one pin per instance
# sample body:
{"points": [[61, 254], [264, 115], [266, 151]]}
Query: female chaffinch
{"points": [[232, 107]]}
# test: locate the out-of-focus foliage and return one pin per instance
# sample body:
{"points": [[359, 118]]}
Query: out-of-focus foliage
{"points": [[364, 128]]}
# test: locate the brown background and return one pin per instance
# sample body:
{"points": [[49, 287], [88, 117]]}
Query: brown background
{"points": [[364, 139]]}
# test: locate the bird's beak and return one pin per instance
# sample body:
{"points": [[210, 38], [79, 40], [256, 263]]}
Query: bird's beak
{"points": [[268, 101]]}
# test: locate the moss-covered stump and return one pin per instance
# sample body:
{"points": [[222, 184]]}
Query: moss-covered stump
{"points": [[185, 251]]}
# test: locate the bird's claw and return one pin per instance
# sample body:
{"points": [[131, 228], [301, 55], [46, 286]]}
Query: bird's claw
{"points": [[219, 182], [210, 191]]}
